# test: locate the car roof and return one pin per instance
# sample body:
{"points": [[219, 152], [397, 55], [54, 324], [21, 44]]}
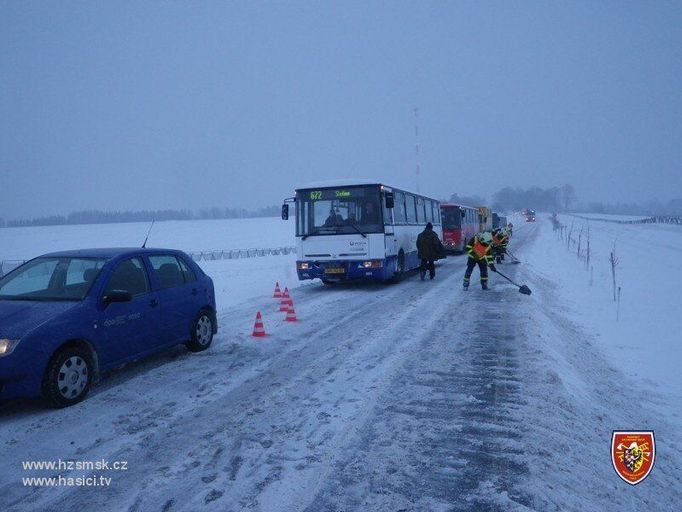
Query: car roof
{"points": [[109, 252]]}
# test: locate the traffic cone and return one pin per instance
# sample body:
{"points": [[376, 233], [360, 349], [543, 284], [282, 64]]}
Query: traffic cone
{"points": [[291, 314], [286, 301], [278, 292], [258, 329]]}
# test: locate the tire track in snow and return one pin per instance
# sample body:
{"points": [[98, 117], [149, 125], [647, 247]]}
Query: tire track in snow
{"points": [[446, 435]]}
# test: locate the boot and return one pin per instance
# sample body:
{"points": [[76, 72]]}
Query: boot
{"points": [[422, 275], [466, 285], [484, 285]]}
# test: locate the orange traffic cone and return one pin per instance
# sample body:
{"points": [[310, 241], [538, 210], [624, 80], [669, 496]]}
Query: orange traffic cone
{"points": [[278, 292], [291, 314], [258, 329], [286, 301]]}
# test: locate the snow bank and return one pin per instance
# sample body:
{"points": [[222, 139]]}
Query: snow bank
{"points": [[642, 342]]}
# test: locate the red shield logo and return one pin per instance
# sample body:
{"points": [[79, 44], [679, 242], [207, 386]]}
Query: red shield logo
{"points": [[633, 454]]}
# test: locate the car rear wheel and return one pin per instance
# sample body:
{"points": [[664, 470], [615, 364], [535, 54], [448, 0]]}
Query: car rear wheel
{"points": [[68, 377], [202, 332]]}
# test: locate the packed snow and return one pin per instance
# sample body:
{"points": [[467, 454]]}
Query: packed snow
{"points": [[416, 396]]}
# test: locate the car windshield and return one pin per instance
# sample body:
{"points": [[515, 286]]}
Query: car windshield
{"points": [[331, 211], [50, 279]]}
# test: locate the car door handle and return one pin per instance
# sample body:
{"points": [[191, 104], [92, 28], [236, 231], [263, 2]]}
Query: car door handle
{"points": [[153, 303]]}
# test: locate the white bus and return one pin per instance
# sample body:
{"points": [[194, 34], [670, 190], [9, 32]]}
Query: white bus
{"points": [[359, 230]]}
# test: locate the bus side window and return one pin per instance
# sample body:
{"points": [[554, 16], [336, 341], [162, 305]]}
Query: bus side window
{"points": [[429, 211], [421, 217], [411, 209], [399, 208]]}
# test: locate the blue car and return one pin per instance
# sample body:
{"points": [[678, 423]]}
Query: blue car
{"points": [[67, 317]]}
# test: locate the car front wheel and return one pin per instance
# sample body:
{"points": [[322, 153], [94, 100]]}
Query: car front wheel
{"points": [[202, 332], [68, 377]]}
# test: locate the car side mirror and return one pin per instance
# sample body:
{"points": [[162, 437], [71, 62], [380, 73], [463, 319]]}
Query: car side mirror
{"points": [[285, 212], [390, 201], [117, 296]]}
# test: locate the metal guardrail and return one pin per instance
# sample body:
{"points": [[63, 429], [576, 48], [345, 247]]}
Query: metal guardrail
{"points": [[226, 254], [233, 254]]}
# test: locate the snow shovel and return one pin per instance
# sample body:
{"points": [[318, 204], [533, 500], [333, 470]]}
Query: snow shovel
{"points": [[522, 287]]}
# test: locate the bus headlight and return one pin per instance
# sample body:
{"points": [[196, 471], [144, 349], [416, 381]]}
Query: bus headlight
{"points": [[7, 346], [302, 265], [372, 264]]}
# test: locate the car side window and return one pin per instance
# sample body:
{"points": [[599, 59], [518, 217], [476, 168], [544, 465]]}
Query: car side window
{"points": [[167, 270], [187, 271], [130, 276]]}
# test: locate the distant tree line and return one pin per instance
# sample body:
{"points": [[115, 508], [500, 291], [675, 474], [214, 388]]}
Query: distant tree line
{"points": [[466, 200], [653, 208], [109, 217], [554, 199]]}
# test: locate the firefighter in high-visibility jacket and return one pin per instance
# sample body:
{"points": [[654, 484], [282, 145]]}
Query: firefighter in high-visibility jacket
{"points": [[500, 242], [479, 250]]}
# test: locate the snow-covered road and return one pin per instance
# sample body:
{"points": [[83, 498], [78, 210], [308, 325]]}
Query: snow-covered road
{"points": [[416, 396]]}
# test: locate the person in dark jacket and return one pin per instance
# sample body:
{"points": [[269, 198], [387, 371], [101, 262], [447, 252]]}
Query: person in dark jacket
{"points": [[429, 249]]}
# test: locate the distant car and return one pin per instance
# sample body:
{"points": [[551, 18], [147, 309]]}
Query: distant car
{"points": [[67, 317]]}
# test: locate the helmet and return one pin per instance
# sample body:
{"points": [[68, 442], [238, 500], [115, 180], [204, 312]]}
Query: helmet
{"points": [[485, 238], [510, 225]]}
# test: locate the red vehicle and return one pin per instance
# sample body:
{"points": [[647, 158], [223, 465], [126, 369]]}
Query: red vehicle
{"points": [[459, 224]]}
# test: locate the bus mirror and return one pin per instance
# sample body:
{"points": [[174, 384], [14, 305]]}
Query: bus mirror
{"points": [[390, 203], [285, 212], [464, 213]]}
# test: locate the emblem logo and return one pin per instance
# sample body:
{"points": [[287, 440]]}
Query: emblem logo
{"points": [[633, 454]]}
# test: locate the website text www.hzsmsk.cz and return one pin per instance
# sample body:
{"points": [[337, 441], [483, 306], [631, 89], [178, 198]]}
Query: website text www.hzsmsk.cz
{"points": [[68, 466]]}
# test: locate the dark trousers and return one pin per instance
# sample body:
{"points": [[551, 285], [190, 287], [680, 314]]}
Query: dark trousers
{"points": [[428, 265], [482, 266]]}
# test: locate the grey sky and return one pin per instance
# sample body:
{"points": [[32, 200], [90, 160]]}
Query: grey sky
{"points": [[133, 105]]}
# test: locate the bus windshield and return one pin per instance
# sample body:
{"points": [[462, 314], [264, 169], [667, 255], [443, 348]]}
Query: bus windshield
{"points": [[452, 218], [342, 210]]}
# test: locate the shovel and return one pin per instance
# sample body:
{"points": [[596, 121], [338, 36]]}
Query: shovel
{"points": [[522, 287], [515, 261]]}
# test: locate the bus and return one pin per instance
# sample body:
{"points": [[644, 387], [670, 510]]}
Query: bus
{"points": [[459, 224], [485, 218], [349, 230]]}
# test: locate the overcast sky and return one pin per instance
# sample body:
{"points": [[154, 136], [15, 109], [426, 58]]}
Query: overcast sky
{"points": [[134, 105]]}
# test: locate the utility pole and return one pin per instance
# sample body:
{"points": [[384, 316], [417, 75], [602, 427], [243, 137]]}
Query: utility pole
{"points": [[416, 145]]}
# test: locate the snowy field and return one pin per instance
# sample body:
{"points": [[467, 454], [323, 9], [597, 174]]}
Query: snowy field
{"points": [[416, 396], [608, 216], [235, 280], [190, 236]]}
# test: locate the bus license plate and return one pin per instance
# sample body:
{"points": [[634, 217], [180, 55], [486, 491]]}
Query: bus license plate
{"points": [[334, 270]]}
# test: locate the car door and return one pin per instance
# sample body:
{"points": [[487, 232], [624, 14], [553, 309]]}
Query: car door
{"points": [[177, 297], [131, 328]]}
